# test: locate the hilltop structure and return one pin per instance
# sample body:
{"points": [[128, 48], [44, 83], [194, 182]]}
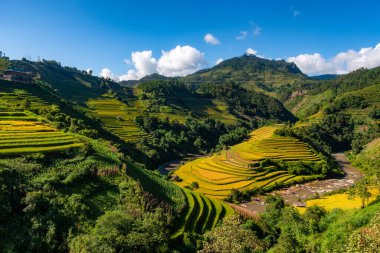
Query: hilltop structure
{"points": [[17, 76]]}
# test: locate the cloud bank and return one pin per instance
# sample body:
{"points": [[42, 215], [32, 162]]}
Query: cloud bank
{"points": [[179, 61], [342, 63]]}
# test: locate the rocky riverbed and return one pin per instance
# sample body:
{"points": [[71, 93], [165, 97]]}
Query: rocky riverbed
{"points": [[297, 194]]}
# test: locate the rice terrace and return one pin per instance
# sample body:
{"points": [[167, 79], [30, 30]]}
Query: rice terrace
{"points": [[246, 166], [22, 133], [189, 126]]}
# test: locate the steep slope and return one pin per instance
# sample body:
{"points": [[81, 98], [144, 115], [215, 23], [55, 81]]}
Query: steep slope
{"points": [[360, 85]]}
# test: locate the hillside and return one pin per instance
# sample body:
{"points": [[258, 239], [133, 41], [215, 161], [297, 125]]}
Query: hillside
{"points": [[250, 71], [362, 84], [84, 145], [258, 164]]}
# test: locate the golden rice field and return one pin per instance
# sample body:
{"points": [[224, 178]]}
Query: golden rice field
{"points": [[202, 213], [16, 97], [340, 200], [117, 117], [22, 133], [238, 167]]}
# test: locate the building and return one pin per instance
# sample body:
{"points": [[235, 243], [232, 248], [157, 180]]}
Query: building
{"points": [[18, 76]]}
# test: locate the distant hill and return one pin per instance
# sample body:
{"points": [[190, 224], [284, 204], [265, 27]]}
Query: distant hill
{"points": [[325, 77], [251, 71], [151, 77]]}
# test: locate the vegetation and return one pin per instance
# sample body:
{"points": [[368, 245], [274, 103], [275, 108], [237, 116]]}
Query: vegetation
{"points": [[251, 71], [78, 153], [264, 162]]}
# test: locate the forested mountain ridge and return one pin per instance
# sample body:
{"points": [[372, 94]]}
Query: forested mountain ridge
{"points": [[250, 71]]}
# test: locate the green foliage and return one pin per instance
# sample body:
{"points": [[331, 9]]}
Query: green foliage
{"points": [[237, 196], [231, 237], [375, 113], [251, 71], [345, 103], [46, 199], [243, 103], [237, 135], [166, 88], [172, 139], [118, 231], [4, 63], [160, 188], [194, 185], [365, 239]]}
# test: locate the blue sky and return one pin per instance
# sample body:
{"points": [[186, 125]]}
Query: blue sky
{"points": [[102, 34]]}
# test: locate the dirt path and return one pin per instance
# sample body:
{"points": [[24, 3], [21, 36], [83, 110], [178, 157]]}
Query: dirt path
{"points": [[297, 194]]}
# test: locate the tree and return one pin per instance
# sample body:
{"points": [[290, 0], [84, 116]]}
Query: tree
{"points": [[361, 190], [366, 239], [231, 237], [313, 215], [274, 207], [293, 231], [118, 231]]}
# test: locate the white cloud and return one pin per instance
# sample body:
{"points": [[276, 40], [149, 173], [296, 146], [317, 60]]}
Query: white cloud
{"points": [[107, 73], [144, 64], [211, 39], [242, 36], [251, 51], [180, 61], [344, 62], [218, 61]]}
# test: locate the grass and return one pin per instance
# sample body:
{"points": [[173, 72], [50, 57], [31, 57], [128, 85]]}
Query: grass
{"points": [[22, 132], [239, 167]]}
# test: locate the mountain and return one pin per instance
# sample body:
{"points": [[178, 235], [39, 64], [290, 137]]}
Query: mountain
{"points": [[151, 77], [77, 154], [325, 77], [251, 71]]}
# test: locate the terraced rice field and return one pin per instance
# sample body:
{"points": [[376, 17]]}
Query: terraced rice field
{"points": [[22, 133], [202, 107], [202, 213], [117, 117], [16, 97], [239, 167]]}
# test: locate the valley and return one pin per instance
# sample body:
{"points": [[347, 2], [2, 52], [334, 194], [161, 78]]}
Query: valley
{"points": [[89, 148]]}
